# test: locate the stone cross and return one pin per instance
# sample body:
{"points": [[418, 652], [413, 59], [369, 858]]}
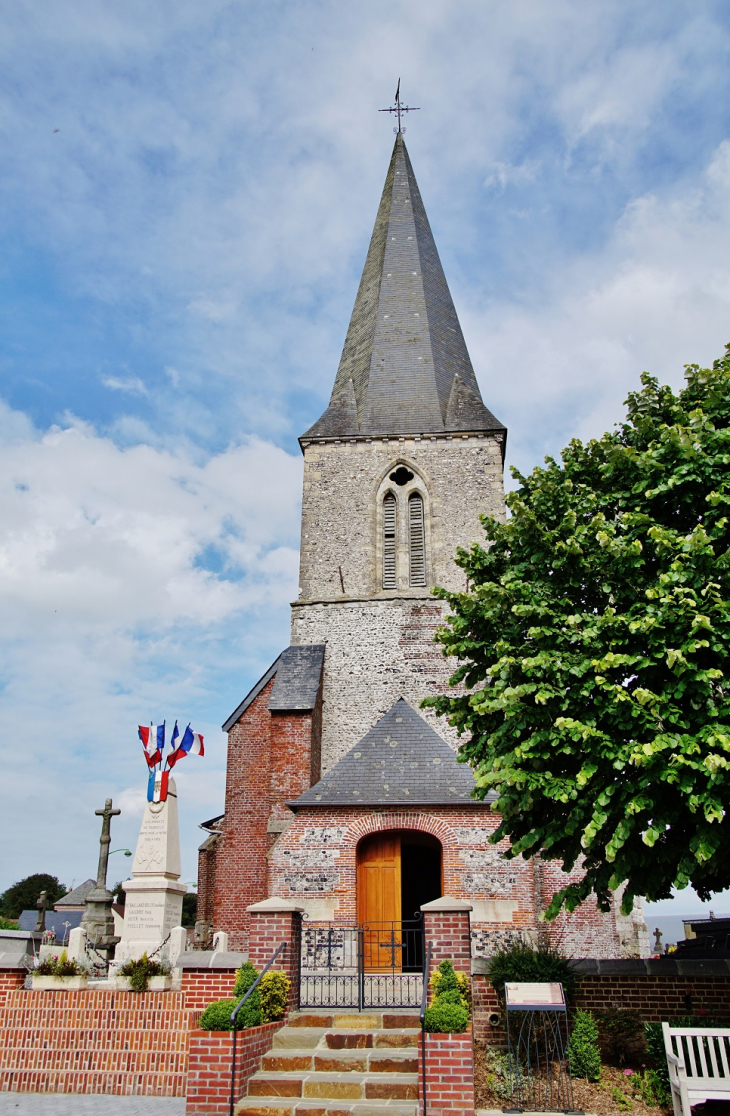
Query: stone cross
{"points": [[42, 906], [104, 841], [658, 940]]}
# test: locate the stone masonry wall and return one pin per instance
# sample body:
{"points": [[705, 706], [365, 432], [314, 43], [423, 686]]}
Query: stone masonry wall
{"points": [[314, 863], [379, 642]]}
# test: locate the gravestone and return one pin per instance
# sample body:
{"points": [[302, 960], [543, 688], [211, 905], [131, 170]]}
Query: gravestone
{"points": [[153, 906]]}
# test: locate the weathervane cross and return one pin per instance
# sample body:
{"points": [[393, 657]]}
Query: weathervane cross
{"points": [[399, 109]]}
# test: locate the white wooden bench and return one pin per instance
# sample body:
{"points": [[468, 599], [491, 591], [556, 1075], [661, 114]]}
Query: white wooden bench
{"points": [[699, 1065]]}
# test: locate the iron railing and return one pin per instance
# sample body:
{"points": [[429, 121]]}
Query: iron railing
{"points": [[375, 965], [424, 1004], [234, 1016]]}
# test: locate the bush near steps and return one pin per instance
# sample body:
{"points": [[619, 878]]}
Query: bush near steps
{"points": [[266, 1004], [449, 1010]]}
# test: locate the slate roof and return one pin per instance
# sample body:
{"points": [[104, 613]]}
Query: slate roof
{"points": [[55, 920], [297, 678], [402, 761], [77, 897], [405, 366], [298, 671]]}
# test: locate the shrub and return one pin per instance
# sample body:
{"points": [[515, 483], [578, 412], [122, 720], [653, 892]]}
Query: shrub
{"points": [[8, 924], [60, 966], [584, 1057], [621, 1037], [217, 1016], [250, 1014], [520, 961], [140, 969], [274, 990], [445, 979], [446, 1018]]}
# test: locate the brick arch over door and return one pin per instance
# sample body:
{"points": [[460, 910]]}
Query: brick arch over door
{"points": [[436, 827]]}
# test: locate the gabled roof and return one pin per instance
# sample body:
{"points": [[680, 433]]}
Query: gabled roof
{"points": [[402, 761], [298, 671], [405, 368], [77, 897]]}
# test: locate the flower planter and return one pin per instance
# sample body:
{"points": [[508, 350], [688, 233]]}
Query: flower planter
{"points": [[155, 984], [67, 983]]}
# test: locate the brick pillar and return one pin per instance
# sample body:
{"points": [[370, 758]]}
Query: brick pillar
{"points": [[446, 926], [274, 921]]}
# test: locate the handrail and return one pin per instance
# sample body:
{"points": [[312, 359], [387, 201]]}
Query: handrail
{"points": [[424, 1001], [234, 1015]]}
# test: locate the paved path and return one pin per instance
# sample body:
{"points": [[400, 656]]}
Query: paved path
{"points": [[72, 1104]]}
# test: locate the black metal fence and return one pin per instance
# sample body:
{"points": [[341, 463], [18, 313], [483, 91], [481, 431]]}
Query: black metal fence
{"points": [[376, 965]]}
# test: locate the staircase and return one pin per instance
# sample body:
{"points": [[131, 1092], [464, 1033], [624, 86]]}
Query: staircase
{"points": [[338, 1065]]}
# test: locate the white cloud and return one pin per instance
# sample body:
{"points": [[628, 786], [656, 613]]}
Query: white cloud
{"points": [[655, 296], [132, 385], [135, 583]]}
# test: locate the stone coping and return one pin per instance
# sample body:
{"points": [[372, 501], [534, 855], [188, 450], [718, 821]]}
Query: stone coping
{"points": [[210, 959], [16, 961], [633, 967]]}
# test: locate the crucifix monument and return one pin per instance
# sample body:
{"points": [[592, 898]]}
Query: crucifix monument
{"points": [[98, 920]]}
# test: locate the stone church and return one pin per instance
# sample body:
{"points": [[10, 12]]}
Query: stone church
{"points": [[342, 795]]}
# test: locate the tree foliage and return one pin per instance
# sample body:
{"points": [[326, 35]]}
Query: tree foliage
{"points": [[594, 648], [23, 895]]}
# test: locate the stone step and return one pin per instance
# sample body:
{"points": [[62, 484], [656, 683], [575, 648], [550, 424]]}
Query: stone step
{"points": [[388, 1060], [338, 1085], [300, 1038], [285, 1106], [355, 1020]]}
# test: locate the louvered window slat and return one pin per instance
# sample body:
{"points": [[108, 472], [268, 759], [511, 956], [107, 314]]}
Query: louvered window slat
{"points": [[417, 541], [389, 513]]}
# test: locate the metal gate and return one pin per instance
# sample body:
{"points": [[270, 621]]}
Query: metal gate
{"points": [[376, 965]]}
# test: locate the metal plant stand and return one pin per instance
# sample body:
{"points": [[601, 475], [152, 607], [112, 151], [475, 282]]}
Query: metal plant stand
{"points": [[537, 1039]]}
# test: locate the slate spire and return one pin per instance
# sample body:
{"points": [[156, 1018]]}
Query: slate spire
{"points": [[405, 368]]}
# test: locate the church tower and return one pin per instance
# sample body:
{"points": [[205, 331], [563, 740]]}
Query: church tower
{"points": [[396, 473], [343, 798]]}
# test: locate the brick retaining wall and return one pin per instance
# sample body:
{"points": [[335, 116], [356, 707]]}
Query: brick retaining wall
{"points": [[209, 1066], [94, 1041], [658, 989], [201, 986]]}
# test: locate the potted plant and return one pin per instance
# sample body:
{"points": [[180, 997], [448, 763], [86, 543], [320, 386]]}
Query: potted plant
{"points": [[144, 974], [59, 971]]}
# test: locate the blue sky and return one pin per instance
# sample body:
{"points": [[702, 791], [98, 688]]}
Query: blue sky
{"points": [[186, 199]]}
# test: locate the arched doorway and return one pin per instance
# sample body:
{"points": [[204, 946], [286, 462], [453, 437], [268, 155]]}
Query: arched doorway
{"points": [[397, 872]]}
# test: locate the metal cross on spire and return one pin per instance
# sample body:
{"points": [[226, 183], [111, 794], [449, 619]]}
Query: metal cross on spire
{"points": [[399, 109]]}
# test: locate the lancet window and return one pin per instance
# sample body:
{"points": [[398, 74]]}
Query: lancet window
{"points": [[389, 540], [416, 541]]}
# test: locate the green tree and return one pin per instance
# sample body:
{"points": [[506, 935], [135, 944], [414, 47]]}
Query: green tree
{"points": [[23, 895], [594, 648]]}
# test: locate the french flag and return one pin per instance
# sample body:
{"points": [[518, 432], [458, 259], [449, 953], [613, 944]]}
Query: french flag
{"points": [[153, 742], [191, 744]]}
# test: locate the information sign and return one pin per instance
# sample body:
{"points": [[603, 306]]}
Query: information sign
{"points": [[534, 997]]}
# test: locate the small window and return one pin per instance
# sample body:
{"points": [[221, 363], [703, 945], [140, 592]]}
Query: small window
{"points": [[416, 541], [389, 512]]}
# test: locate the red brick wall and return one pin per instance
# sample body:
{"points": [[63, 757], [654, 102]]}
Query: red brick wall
{"points": [[209, 1067], [268, 930], [271, 759], [449, 1075], [201, 986], [657, 998], [10, 979], [448, 934], [93, 1041]]}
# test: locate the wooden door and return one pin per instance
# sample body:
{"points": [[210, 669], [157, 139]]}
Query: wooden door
{"points": [[379, 900]]}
